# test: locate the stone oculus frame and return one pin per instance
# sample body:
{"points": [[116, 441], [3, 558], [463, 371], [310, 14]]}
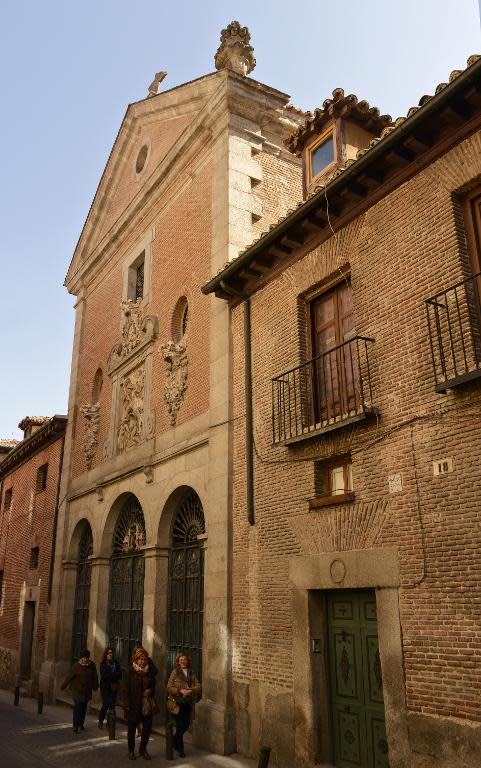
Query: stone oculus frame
{"points": [[309, 577]]}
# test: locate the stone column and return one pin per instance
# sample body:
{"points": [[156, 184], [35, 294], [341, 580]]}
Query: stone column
{"points": [[53, 670], [99, 605], [154, 631]]}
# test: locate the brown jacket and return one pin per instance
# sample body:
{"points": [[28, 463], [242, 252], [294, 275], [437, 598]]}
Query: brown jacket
{"points": [[178, 680], [82, 680]]}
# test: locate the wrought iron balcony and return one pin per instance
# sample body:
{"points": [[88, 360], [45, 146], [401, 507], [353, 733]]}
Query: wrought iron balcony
{"points": [[454, 323], [329, 391]]}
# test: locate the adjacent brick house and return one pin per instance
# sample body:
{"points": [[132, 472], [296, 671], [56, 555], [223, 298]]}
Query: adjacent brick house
{"points": [[30, 481], [356, 571], [144, 549]]}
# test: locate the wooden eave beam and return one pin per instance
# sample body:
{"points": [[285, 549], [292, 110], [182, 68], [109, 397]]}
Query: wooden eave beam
{"points": [[295, 235]]}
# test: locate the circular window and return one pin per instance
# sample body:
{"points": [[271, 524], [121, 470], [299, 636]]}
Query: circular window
{"points": [[141, 159], [180, 319]]}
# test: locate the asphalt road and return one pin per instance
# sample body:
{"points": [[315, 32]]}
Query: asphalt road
{"points": [[30, 740]]}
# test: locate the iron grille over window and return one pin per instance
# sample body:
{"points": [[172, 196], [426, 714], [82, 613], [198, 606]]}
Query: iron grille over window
{"points": [[186, 583], [127, 581], [139, 282], [82, 593], [34, 553], [42, 477], [454, 324]]}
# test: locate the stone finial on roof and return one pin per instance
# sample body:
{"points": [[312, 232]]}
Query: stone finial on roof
{"points": [[235, 51]]}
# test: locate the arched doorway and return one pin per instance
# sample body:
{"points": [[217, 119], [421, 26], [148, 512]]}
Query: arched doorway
{"points": [[126, 593], [186, 582], [82, 593]]}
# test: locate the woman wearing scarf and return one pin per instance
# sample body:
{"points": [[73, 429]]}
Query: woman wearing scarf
{"points": [[182, 685], [110, 675], [82, 680], [138, 692]]}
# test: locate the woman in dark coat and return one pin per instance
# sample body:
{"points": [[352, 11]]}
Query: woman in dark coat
{"points": [[110, 675], [182, 685], [82, 681], [138, 691]]}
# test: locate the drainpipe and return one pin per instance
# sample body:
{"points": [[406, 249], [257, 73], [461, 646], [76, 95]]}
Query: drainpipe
{"points": [[55, 523], [248, 395]]}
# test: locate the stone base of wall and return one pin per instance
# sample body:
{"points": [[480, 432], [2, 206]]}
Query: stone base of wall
{"points": [[8, 665], [213, 728], [444, 742], [52, 674]]}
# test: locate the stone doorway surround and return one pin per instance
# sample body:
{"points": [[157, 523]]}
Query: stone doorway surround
{"points": [[310, 576]]}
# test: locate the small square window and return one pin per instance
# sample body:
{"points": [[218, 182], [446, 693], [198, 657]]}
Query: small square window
{"points": [[322, 155], [34, 552], [42, 477], [7, 499], [332, 483]]}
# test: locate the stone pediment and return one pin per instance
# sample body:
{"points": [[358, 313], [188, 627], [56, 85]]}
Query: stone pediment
{"points": [[156, 123]]}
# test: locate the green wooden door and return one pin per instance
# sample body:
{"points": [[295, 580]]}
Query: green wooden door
{"points": [[356, 699]]}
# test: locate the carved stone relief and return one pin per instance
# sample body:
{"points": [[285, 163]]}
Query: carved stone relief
{"points": [[91, 414], [137, 331], [175, 355], [131, 427]]}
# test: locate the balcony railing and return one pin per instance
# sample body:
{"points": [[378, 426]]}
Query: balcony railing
{"points": [[328, 391], [454, 323]]}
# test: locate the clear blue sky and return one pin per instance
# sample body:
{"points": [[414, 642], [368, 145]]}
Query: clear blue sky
{"points": [[67, 72]]}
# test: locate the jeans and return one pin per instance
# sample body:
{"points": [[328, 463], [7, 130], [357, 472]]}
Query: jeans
{"points": [[79, 712], [182, 722], [146, 728], [103, 712]]}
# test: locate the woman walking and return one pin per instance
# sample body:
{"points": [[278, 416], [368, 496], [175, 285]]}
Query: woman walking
{"points": [[110, 675], [139, 687], [182, 685], [82, 680]]}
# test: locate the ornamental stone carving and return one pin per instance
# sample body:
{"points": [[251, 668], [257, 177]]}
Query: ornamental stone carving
{"points": [[131, 427], [137, 331], [175, 356], [91, 414], [235, 51]]}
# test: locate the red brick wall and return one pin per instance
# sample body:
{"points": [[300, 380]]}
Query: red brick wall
{"points": [[28, 524], [400, 252]]}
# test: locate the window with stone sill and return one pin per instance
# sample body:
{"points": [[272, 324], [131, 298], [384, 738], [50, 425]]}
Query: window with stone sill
{"points": [[42, 473], [7, 499], [135, 288], [332, 483]]}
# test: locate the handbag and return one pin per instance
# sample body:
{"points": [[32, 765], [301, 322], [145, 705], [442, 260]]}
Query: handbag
{"points": [[149, 706], [172, 705]]}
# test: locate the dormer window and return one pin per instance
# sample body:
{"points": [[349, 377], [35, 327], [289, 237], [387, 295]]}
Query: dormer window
{"points": [[322, 155]]}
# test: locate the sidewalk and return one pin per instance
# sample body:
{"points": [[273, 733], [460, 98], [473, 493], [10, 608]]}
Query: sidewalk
{"points": [[47, 741]]}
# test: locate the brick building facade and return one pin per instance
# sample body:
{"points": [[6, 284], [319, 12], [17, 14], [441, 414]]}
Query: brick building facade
{"points": [[30, 480], [144, 536], [356, 573]]}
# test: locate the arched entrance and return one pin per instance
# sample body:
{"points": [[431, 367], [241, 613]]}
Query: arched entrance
{"points": [[82, 593], [126, 593], [186, 582]]}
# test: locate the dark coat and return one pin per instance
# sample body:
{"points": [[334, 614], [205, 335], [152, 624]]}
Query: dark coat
{"points": [[133, 691], [82, 680], [109, 673]]}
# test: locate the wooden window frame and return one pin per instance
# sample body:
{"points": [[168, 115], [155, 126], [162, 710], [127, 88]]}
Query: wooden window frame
{"points": [[326, 468], [331, 130], [474, 247]]}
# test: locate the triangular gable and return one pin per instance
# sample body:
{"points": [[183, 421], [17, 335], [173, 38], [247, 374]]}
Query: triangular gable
{"points": [[156, 123]]}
